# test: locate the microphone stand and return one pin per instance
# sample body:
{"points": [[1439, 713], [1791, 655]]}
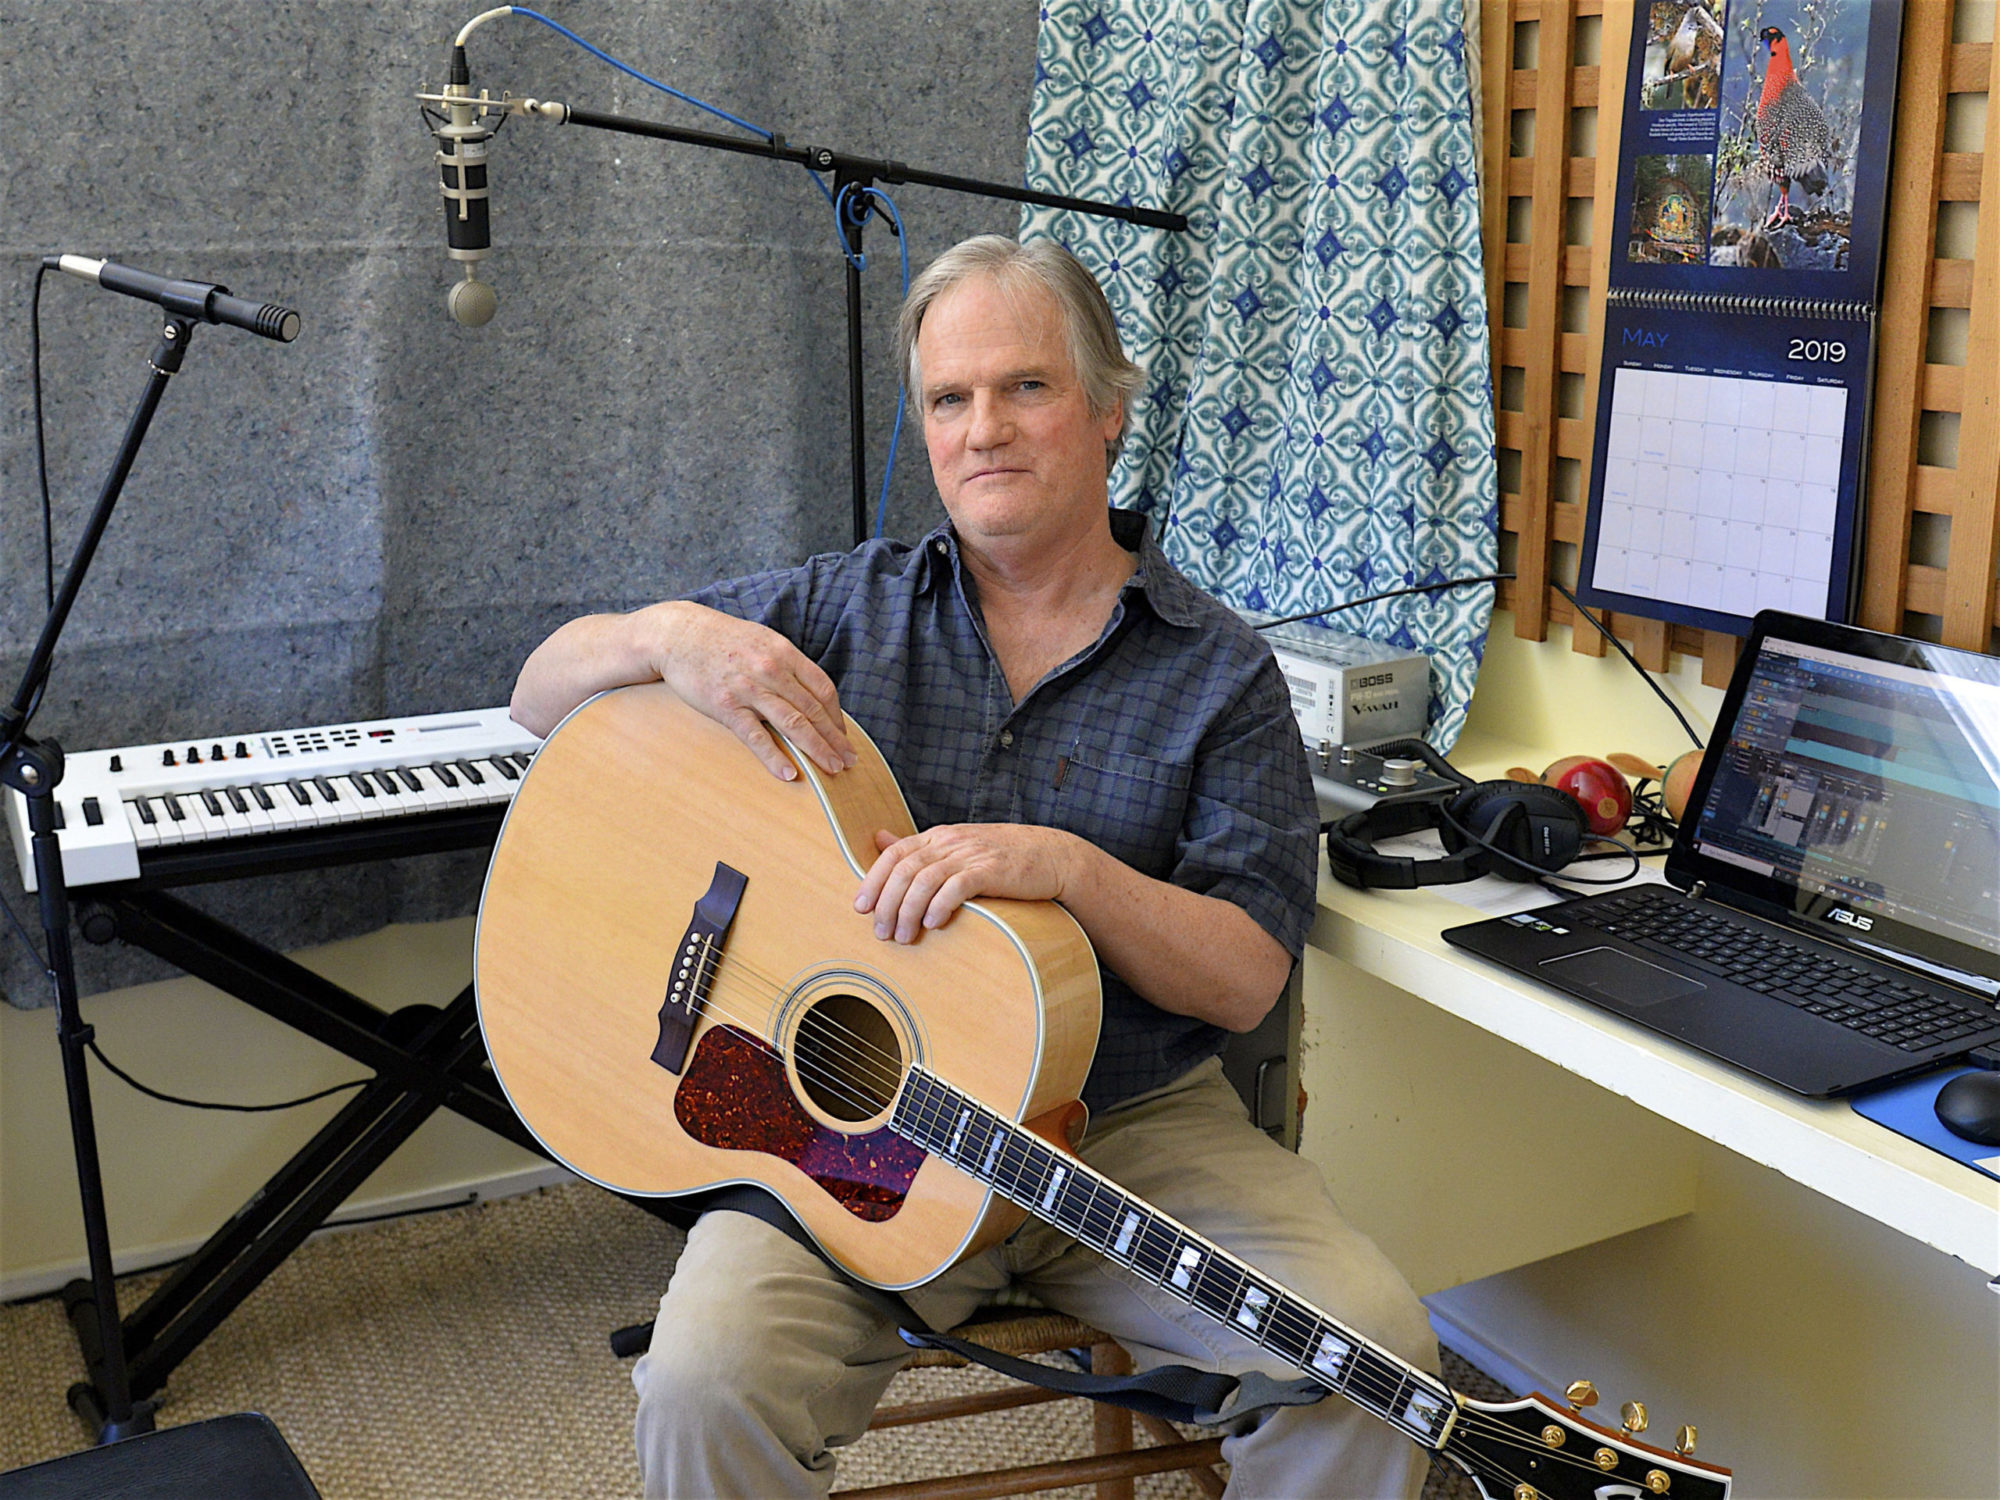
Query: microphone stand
{"points": [[35, 769], [858, 172]]}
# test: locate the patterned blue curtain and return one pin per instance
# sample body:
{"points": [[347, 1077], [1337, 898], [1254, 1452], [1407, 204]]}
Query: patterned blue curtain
{"points": [[1318, 423]]}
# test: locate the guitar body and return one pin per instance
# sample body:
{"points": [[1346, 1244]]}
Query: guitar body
{"points": [[614, 836], [678, 995]]}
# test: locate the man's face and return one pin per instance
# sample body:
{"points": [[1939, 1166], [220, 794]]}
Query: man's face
{"points": [[1014, 445]]}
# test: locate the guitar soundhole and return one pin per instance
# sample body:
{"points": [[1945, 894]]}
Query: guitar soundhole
{"points": [[849, 1061]]}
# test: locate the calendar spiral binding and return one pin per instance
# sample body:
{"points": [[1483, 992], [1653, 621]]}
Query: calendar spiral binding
{"points": [[1731, 302]]}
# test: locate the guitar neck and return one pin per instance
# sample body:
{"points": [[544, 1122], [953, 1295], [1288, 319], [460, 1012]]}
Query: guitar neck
{"points": [[1060, 1190]]}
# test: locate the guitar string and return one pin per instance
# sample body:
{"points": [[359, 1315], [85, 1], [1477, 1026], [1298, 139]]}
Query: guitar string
{"points": [[859, 1048], [1383, 1388], [1361, 1380], [1015, 1155], [1471, 1420]]}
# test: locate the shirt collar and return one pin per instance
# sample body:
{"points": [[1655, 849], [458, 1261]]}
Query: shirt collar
{"points": [[1164, 587]]}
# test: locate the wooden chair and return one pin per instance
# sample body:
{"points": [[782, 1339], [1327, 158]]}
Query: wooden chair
{"points": [[1114, 1460]]}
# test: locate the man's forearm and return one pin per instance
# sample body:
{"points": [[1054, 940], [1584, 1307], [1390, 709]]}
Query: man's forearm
{"points": [[583, 658], [1190, 954]]}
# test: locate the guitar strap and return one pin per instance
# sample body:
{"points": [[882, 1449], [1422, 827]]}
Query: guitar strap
{"points": [[1179, 1393]]}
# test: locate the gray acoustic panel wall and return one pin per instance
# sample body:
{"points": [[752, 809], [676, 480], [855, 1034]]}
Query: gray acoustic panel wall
{"points": [[387, 515]]}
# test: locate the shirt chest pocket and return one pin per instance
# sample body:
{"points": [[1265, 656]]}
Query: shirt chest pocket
{"points": [[1131, 806]]}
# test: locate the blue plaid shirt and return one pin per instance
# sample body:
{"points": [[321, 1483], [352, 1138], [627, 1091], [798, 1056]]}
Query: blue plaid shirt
{"points": [[1169, 743]]}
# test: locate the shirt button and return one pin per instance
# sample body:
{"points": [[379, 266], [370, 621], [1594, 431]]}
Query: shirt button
{"points": [[942, 549], [1006, 738]]}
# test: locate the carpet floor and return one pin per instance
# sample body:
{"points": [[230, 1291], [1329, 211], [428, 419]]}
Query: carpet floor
{"points": [[462, 1355]]}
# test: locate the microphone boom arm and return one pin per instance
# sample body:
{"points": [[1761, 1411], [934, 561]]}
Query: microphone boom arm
{"points": [[847, 170]]}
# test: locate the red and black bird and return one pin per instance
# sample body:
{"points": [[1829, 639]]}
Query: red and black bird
{"points": [[1793, 138]]}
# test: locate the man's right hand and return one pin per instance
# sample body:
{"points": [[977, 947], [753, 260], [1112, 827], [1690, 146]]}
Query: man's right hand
{"points": [[745, 676]]}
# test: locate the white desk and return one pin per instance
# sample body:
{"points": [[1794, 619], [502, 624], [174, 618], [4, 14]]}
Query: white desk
{"points": [[1584, 1198], [1826, 1146]]}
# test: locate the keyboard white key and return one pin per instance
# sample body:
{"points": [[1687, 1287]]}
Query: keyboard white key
{"points": [[434, 763]]}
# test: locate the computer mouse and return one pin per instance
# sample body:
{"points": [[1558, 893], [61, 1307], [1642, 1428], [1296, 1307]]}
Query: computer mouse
{"points": [[1969, 1106]]}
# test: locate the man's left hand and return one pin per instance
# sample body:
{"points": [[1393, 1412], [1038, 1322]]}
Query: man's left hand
{"points": [[919, 881]]}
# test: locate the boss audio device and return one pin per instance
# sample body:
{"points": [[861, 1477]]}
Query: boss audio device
{"points": [[1347, 690]]}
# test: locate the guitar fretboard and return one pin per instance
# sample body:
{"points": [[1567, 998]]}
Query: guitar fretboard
{"points": [[1062, 1191]]}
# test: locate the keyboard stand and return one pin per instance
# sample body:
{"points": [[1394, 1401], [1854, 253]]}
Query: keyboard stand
{"points": [[423, 1058]]}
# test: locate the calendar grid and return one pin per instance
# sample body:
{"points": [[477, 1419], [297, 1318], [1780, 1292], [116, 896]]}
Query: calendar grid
{"points": [[1720, 493]]}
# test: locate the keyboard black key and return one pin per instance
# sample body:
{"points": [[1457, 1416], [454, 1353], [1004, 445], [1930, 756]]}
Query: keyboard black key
{"points": [[444, 773], [236, 799], [262, 797], [212, 802], [470, 772], [299, 792], [146, 814], [409, 778], [174, 808], [388, 782]]}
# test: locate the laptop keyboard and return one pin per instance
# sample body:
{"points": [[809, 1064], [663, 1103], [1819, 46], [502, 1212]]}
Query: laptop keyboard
{"points": [[1822, 984]]}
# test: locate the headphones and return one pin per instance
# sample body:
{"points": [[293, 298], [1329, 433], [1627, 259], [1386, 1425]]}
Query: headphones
{"points": [[1508, 828]]}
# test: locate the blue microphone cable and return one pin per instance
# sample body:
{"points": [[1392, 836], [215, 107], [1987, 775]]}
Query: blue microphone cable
{"points": [[861, 206]]}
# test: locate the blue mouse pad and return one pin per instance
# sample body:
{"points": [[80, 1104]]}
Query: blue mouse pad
{"points": [[1909, 1108]]}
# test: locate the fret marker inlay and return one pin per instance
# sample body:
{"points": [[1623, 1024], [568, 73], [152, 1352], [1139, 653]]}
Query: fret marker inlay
{"points": [[1123, 1244], [1423, 1411], [1056, 1180], [1332, 1355], [1185, 1268], [1250, 1314]]}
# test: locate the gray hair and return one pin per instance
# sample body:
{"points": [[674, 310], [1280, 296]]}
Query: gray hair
{"points": [[1108, 378]]}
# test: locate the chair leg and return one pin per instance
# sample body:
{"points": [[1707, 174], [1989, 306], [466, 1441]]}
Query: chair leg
{"points": [[1166, 1435], [1113, 1423]]}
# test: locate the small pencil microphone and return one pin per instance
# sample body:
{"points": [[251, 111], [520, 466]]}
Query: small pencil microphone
{"points": [[461, 160], [201, 300]]}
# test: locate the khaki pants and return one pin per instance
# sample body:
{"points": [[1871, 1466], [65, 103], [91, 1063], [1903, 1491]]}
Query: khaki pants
{"points": [[764, 1361]]}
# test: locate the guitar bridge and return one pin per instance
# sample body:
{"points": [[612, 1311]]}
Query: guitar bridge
{"points": [[694, 965]]}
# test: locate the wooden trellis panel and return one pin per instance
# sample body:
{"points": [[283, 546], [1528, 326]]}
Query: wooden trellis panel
{"points": [[1931, 537]]}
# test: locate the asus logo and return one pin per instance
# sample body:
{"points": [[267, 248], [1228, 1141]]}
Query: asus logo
{"points": [[1858, 923]]}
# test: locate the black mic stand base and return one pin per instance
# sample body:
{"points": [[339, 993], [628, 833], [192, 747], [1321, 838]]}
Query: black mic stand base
{"points": [[35, 769]]}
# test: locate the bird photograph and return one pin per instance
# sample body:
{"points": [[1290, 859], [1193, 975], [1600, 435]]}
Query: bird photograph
{"points": [[1791, 111], [1683, 68]]}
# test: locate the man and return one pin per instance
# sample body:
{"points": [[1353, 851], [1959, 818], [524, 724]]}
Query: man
{"points": [[1070, 720]]}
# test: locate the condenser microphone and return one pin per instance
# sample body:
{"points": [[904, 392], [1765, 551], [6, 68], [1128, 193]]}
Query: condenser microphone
{"points": [[461, 160], [200, 300]]}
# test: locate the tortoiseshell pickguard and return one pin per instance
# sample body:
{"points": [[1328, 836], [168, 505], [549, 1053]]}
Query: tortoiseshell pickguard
{"points": [[735, 1097]]}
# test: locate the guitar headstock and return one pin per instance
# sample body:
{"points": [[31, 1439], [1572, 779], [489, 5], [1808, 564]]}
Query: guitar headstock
{"points": [[1538, 1449]]}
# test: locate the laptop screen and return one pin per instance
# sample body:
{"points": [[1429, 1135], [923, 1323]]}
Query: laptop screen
{"points": [[1855, 781]]}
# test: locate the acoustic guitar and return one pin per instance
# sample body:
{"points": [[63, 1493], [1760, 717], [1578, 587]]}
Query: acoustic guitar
{"points": [[678, 995]]}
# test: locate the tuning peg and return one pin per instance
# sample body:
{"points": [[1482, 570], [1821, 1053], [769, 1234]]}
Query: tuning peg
{"points": [[1634, 1413], [1581, 1393], [1684, 1441]]}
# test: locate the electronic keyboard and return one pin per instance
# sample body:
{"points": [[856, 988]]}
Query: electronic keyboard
{"points": [[119, 811]]}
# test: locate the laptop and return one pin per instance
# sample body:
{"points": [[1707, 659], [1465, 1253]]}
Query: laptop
{"points": [[1832, 913]]}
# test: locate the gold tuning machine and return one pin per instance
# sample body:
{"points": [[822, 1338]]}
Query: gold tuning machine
{"points": [[1634, 1414], [1581, 1393], [1684, 1441]]}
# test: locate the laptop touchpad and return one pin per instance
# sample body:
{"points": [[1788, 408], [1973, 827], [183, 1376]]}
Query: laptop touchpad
{"points": [[1630, 982]]}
